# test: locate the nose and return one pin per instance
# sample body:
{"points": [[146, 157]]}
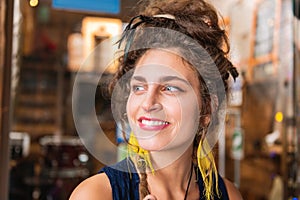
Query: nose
{"points": [[151, 102]]}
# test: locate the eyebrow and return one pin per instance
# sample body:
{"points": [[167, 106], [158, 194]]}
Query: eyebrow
{"points": [[162, 79]]}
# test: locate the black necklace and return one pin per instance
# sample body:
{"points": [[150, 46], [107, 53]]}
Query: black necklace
{"points": [[189, 182]]}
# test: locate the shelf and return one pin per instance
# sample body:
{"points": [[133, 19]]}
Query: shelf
{"points": [[39, 97], [37, 100], [36, 114], [36, 130]]}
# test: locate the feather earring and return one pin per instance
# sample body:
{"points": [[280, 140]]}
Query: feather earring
{"points": [[134, 149], [207, 168]]}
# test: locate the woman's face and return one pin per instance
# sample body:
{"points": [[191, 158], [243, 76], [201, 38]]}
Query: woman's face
{"points": [[164, 101]]}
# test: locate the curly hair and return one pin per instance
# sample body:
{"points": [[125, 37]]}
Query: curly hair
{"points": [[198, 24]]}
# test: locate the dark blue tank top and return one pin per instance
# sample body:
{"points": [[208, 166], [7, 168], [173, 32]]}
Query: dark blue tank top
{"points": [[125, 185]]}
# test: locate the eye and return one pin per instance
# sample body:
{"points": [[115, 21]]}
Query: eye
{"points": [[137, 88], [170, 88]]}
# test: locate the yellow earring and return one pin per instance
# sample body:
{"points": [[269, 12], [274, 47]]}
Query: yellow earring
{"points": [[135, 149], [207, 168]]}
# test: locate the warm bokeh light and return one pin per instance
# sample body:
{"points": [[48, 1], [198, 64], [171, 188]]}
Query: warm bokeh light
{"points": [[106, 28], [279, 117], [33, 3]]}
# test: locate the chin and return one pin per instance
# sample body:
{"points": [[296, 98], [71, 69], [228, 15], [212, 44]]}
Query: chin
{"points": [[152, 145]]}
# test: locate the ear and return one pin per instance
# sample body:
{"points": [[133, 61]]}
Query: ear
{"points": [[209, 107], [206, 120]]}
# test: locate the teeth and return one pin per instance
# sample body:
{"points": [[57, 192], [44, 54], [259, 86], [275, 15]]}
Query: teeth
{"points": [[154, 123]]}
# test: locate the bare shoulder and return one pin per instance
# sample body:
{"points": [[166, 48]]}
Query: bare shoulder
{"points": [[93, 188], [233, 192]]}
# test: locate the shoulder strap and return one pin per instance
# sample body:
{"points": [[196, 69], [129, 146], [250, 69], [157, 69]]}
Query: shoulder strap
{"points": [[222, 187], [124, 184]]}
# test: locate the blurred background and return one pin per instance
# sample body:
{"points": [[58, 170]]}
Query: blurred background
{"points": [[43, 43]]}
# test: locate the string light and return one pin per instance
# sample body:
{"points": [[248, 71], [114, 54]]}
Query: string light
{"points": [[33, 3], [279, 116]]}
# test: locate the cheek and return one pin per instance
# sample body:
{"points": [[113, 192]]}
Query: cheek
{"points": [[173, 108], [191, 113], [133, 105], [183, 109]]}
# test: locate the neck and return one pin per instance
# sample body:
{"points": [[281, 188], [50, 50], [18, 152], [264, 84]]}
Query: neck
{"points": [[172, 158], [175, 181], [177, 171]]}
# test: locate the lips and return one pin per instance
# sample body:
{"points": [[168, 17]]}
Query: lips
{"points": [[152, 124]]}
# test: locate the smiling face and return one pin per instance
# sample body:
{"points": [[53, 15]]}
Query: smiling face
{"points": [[164, 101]]}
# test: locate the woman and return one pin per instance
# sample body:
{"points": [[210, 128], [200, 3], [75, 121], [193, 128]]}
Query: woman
{"points": [[171, 89]]}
